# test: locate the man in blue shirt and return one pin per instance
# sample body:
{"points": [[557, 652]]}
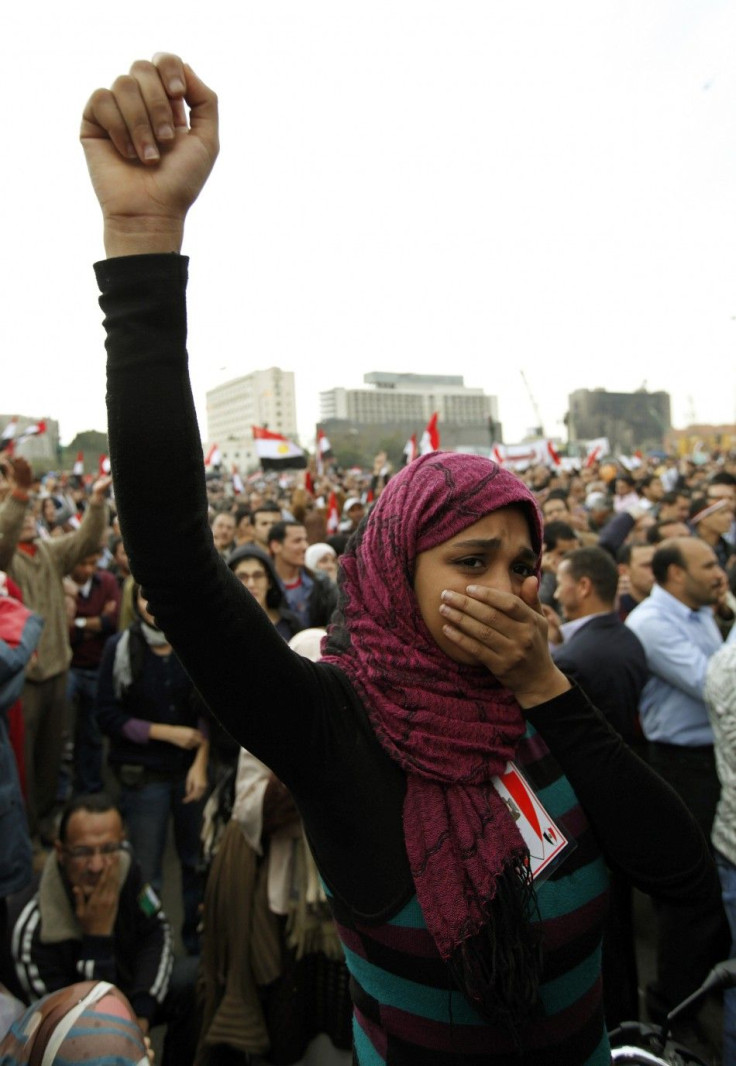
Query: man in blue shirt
{"points": [[676, 627], [675, 624]]}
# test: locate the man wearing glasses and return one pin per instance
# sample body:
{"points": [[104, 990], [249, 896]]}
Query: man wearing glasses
{"points": [[91, 917]]}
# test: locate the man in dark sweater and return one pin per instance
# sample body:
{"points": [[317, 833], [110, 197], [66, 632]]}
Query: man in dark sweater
{"points": [[96, 619]]}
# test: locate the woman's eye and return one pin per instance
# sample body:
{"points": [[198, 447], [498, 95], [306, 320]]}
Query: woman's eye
{"points": [[523, 569], [472, 562]]}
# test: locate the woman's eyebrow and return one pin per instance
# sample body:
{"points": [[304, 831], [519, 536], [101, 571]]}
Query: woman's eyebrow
{"points": [[493, 544]]}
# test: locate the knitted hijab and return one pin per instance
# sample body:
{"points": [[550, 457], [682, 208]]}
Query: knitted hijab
{"points": [[450, 726]]}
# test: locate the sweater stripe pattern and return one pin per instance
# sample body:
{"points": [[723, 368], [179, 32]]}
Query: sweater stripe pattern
{"points": [[407, 1010]]}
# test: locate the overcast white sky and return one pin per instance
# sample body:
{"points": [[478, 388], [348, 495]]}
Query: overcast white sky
{"points": [[459, 187]]}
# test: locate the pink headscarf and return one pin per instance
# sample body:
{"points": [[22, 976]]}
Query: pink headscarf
{"points": [[450, 726]]}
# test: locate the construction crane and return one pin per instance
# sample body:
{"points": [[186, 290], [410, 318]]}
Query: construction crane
{"points": [[534, 403]]}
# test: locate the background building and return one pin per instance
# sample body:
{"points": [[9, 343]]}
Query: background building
{"points": [[263, 398], [630, 420], [401, 404]]}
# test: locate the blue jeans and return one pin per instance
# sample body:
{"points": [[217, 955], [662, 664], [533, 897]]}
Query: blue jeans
{"points": [[727, 874], [146, 812], [82, 695]]}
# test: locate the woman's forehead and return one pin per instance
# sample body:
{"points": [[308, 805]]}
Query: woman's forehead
{"points": [[508, 526]]}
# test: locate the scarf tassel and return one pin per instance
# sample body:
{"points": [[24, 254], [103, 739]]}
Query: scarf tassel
{"points": [[499, 969]]}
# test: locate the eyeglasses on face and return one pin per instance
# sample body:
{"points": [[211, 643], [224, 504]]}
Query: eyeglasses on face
{"points": [[258, 575], [82, 852]]}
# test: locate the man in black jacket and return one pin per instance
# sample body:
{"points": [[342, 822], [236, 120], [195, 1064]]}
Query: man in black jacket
{"points": [[598, 653], [597, 650], [91, 917]]}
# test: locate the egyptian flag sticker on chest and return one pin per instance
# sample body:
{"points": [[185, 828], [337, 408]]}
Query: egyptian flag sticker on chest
{"points": [[543, 837]]}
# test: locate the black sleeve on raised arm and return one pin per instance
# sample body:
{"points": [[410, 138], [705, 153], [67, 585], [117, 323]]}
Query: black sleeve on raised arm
{"points": [[264, 694]]}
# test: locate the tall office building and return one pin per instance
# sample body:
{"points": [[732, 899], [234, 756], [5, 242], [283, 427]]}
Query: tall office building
{"points": [[405, 402], [630, 420], [263, 398]]}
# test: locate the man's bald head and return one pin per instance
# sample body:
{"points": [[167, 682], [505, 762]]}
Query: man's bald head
{"points": [[688, 569]]}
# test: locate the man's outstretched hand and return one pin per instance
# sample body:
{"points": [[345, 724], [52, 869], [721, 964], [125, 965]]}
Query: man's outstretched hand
{"points": [[148, 163]]}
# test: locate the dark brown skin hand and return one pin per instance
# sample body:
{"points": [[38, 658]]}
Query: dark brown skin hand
{"points": [[20, 473], [96, 911], [150, 143], [508, 635]]}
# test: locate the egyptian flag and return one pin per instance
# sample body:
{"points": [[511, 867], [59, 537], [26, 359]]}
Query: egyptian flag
{"points": [[238, 486], [309, 482], [78, 468], [333, 515], [410, 450], [431, 436], [276, 452], [33, 430], [213, 458], [9, 434], [552, 456], [324, 450], [596, 449]]}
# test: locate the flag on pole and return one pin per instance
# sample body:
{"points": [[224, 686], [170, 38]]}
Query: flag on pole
{"points": [[430, 437], [9, 433], [276, 452], [238, 486], [410, 450], [213, 457], [78, 467], [333, 514], [33, 430], [552, 453], [324, 450], [596, 449]]}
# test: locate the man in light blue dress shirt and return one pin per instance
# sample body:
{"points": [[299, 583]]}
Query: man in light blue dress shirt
{"points": [[676, 627]]}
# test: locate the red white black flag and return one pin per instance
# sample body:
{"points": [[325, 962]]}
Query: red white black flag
{"points": [[431, 436], [410, 450], [276, 452], [333, 515]]}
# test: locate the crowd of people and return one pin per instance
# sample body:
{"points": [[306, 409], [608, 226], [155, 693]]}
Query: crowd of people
{"points": [[638, 597], [415, 767]]}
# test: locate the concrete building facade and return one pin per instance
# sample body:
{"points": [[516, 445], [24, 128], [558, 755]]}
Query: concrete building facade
{"points": [[405, 402], [262, 398], [630, 420]]}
